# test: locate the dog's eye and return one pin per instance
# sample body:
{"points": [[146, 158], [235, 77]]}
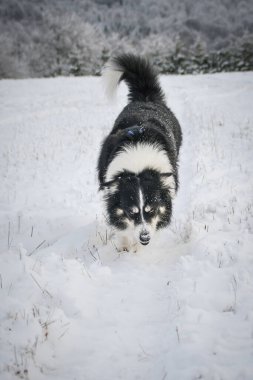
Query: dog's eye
{"points": [[134, 210]]}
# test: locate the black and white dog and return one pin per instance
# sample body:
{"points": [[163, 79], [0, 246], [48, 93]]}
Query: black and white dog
{"points": [[137, 167]]}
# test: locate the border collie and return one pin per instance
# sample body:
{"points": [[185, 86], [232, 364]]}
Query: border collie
{"points": [[138, 162]]}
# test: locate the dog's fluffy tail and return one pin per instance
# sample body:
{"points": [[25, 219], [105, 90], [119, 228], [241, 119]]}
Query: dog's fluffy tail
{"points": [[139, 76]]}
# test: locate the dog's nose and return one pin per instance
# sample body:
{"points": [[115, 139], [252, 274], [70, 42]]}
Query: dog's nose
{"points": [[144, 237]]}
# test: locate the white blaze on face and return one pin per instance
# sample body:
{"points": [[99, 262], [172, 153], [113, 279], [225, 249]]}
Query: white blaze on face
{"points": [[143, 226], [141, 205]]}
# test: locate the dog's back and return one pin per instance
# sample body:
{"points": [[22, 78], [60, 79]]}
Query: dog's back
{"points": [[146, 104]]}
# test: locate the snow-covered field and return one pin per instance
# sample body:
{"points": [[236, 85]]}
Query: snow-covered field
{"points": [[74, 308]]}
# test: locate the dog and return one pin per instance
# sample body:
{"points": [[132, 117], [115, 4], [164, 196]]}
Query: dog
{"points": [[138, 162]]}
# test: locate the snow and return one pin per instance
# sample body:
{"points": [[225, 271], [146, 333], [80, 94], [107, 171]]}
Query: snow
{"points": [[72, 307]]}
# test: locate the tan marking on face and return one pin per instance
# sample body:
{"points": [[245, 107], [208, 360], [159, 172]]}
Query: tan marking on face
{"points": [[162, 209], [154, 222], [129, 223], [119, 211]]}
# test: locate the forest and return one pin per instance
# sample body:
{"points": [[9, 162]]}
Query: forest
{"points": [[44, 38]]}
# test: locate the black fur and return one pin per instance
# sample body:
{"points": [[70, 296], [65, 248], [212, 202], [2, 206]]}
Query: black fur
{"points": [[140, 78], [145, 119]]}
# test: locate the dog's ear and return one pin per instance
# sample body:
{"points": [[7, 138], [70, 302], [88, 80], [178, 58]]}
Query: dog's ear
{"points": [[109, 184], [164, 175], [168, 181]]}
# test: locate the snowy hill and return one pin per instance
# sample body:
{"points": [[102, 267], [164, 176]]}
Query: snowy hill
{"points": [[72, 307]]}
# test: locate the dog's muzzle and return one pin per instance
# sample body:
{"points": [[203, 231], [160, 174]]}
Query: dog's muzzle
{"points": [[144, 237]]}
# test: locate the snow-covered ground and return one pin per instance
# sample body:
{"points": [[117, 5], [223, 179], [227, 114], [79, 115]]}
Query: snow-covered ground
{"points": [[74, 308]]}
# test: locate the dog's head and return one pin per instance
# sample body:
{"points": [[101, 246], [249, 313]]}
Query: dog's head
{"points": [[139, 202]]}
